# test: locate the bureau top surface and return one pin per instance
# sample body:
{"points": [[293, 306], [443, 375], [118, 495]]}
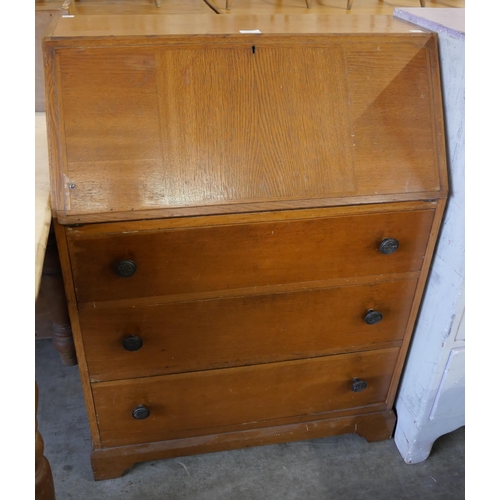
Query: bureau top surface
{"points": [[207, 24]]}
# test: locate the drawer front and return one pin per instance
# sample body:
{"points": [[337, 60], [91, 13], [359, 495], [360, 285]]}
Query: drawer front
{"points": [[215, 401], [225, 257], [191, 336]]}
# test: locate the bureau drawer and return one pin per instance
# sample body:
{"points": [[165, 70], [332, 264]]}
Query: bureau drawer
{"points": [[226, 257], [215, 401], [191, 336]]}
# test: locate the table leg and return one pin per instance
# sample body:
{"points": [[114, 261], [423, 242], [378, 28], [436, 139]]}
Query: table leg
{"points": [[44, 483], [53, 290]]}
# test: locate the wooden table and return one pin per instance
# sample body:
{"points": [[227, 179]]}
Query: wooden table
{"points": [[42, 197], [322, 7], [44, 485]]}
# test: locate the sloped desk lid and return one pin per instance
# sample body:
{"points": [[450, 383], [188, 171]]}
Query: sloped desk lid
{"points": [[155, 116]]}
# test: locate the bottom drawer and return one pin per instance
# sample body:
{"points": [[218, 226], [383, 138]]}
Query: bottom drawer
{"points": [[215, 401]]}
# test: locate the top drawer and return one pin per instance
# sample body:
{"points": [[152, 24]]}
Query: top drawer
{"points": [[230, 256]]}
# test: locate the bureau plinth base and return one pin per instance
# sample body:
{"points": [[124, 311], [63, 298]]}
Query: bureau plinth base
{"points": [[109, 463]]}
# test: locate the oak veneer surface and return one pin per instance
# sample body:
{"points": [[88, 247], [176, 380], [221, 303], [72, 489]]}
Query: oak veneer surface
{"points": [[257, 120]]}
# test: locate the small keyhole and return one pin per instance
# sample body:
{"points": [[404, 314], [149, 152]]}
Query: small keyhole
{"points": [[253, 49]]}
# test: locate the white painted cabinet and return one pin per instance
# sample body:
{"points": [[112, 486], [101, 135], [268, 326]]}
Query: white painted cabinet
{"points": [[431, 398]]}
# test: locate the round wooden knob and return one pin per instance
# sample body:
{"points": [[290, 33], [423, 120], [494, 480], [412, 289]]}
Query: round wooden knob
{"points": [[388, 246], [140, 413], [373, 317], [132, 343], [125, 268], [358, 385]]}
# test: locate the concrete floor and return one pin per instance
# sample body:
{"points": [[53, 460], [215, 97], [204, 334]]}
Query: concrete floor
{"points": [[343, 467]]}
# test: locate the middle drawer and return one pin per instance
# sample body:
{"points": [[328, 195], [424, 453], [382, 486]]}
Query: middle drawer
{"points": [[215, 333]]}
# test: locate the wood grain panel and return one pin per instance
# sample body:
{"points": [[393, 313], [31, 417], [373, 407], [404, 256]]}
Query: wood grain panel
{"points": [[191, 336], [393, 118], [111, 126], [110, 112], [205, 402], [254, 123], [229, 257]]}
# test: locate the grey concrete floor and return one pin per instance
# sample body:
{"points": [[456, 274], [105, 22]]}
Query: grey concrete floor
{"points": [[342, 467]]}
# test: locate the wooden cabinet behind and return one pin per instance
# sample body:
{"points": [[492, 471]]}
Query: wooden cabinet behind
{"points": [[246, 223]]}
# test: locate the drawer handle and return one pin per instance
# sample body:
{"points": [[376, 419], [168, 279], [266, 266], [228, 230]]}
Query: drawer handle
{"points": [[125, 268], [132, 343], [388, 246], [140, 413], [373, 317], [358, 385]]}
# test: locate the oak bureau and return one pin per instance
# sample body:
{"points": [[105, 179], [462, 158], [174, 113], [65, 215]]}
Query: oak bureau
{"points": [[245, 222]]}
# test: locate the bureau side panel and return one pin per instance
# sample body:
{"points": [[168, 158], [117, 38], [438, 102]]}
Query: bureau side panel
{"points": [[60, 232]]}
